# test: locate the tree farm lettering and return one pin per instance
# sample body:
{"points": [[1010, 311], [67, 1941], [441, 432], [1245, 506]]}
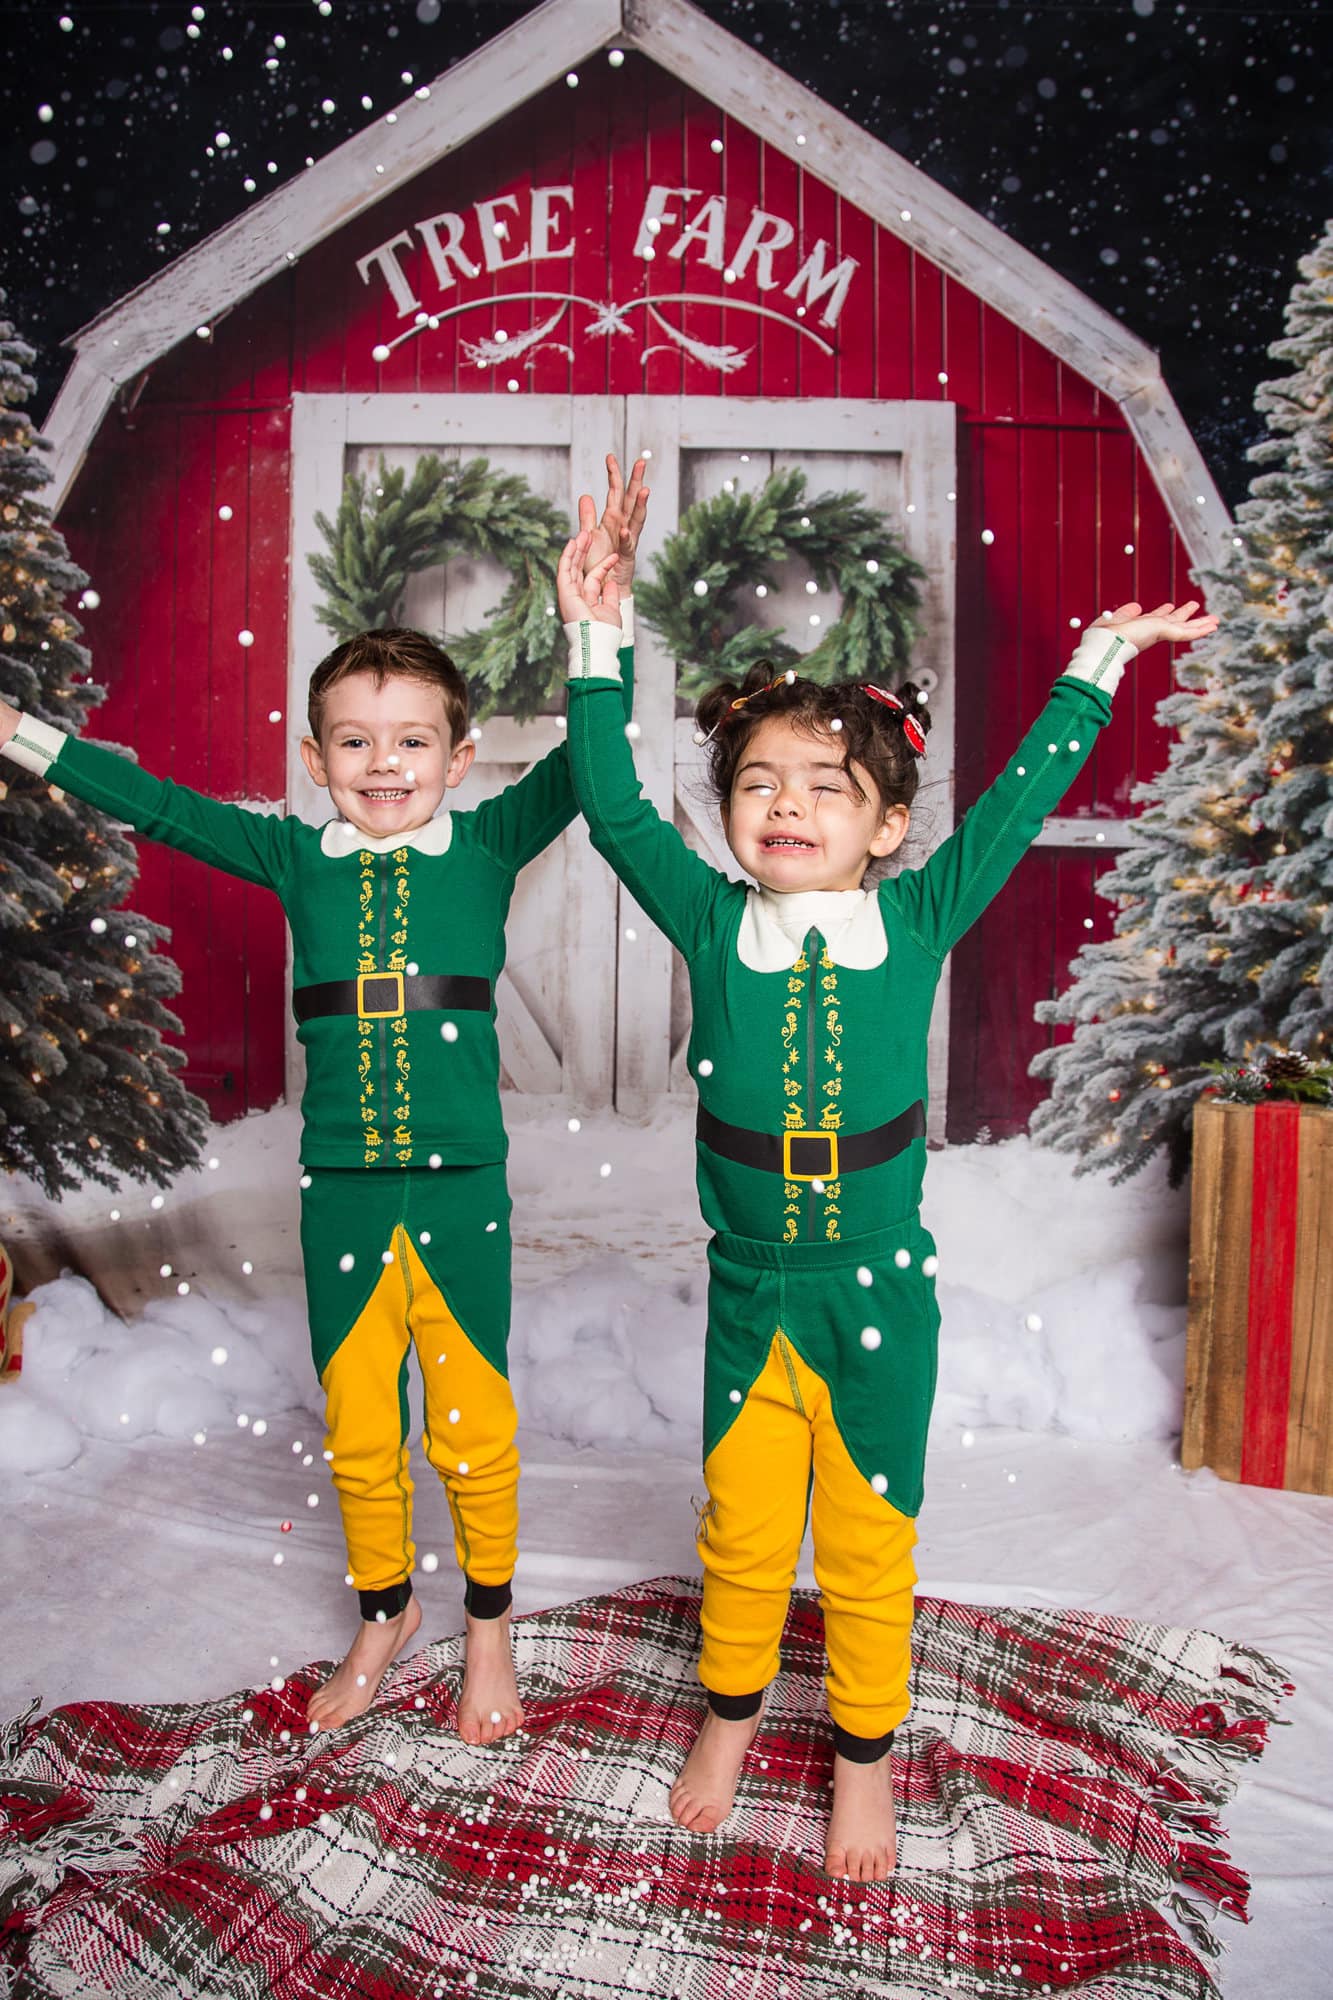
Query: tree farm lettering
{"points": [[505, 232]]}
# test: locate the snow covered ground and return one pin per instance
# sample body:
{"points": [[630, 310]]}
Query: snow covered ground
{"points": [[153, 1567]]}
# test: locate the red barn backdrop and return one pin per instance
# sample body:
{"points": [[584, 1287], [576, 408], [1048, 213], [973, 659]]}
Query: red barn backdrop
{"points": [[616, 226]]}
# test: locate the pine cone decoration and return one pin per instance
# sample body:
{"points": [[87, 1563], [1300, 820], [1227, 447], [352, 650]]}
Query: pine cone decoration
{"points": [[1286, 1066]]}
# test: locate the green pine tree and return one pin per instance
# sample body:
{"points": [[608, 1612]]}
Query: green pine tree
{"points": [[1223, 944], [88, 1088]]}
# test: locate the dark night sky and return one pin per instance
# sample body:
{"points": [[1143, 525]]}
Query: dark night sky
{"points": [[1172, 160]]}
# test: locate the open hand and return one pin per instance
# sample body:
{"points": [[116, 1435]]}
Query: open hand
{"points": [[618, 531], [1174, 622], [583, 590]]}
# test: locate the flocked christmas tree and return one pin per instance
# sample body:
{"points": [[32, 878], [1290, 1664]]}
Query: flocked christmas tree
{"points": [[1223, 945], [88, 1089]]}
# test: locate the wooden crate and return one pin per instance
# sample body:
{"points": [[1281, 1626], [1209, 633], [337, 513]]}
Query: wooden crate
{"points": [[1259, 1356]]}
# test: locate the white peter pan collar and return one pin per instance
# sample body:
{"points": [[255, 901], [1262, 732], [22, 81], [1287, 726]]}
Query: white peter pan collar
{"points": [[774, 928], [340, 838]]}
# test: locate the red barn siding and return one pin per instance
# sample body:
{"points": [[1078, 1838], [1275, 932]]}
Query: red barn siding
{"points": [[177, 585], [1047, 463]]}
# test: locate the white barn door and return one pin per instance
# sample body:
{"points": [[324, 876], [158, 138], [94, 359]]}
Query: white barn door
{"points": [[556, 1040], [902, 458], [619, 1033]]}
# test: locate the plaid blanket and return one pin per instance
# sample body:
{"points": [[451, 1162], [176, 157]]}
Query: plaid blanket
{"points": [[1058, 1783]]}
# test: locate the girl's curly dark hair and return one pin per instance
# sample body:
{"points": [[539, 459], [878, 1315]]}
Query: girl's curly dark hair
{"points": [[870, 733]]}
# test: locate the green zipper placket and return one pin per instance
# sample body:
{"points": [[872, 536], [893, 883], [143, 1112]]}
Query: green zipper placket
{"points": [[381, 961], [812, 945]]}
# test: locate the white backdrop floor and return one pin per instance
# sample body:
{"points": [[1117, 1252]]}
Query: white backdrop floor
{"points": [[142, 1569], [145, 1572]]}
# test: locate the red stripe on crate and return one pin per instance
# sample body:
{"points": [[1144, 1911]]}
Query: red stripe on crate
{"points": [[1277, 1143]]}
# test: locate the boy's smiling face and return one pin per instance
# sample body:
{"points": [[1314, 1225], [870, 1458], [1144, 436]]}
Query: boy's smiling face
{"points": [[385, 754]]}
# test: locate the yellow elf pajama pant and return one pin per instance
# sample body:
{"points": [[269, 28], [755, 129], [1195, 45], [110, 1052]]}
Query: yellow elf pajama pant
{"points": [[819, 1376], [396, 1260]]}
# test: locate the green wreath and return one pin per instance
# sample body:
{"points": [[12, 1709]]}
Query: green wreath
{"points": [[735, 543], [389, 532]]}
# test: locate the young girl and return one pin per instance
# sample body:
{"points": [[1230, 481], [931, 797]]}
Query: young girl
{"points": [[812, 996]]}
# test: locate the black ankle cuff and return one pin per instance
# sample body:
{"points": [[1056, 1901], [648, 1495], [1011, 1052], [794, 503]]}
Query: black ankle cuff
{"points": [[487, 1600], [735, 1707], [860, 1749], [378, 1605]]}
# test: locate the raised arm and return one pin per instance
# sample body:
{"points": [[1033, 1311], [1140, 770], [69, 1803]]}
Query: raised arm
{"points": [[944, 897], [682, 894], [526, 817], [253, 845]]}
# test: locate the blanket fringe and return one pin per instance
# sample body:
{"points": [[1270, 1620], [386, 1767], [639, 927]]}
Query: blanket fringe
{"points": [[1210, 1872], [1194, 1924], [14, 1733], [1256, 1670]]}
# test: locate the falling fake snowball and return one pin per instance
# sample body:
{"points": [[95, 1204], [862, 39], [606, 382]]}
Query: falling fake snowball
{"points": [[705, 1067], [449, 1031], [735, 1396], [1033, 1322], [700, 587], [346, 1261], [871, 1338], [879, 1483], [245, 637], [929, 1266], [430, 1563], [574, 1125], [91, 599], [97, 926], [902, 1258], [496, 1716], [605, 1169]]}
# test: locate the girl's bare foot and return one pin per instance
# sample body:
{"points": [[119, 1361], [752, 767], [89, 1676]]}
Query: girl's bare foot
{"points": [[489, 1707], [352, 1687], [862, 1842], [705, 1791]]}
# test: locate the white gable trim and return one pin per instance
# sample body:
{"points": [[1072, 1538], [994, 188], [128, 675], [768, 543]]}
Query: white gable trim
{"points": [[535, 52]]}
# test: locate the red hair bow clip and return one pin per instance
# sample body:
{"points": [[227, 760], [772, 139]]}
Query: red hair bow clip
{"points": [[912, 730]]}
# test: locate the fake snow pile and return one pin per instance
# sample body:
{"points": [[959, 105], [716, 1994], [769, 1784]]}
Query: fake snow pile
{"points": [[1062, 1303]]}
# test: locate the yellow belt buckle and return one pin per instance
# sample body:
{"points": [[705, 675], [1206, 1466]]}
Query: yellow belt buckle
{"points": [[830, 1173], [379, 1013]]}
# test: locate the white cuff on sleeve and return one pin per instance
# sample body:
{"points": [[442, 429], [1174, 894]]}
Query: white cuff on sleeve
{"points": [[593, 650], [35, 745], [627, 621], [1101, 657]]}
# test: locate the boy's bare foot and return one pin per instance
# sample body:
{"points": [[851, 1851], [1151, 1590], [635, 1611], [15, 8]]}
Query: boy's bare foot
{"points": [[862, 1842], [489, 1707], [705, 1791], [352, 1687]]}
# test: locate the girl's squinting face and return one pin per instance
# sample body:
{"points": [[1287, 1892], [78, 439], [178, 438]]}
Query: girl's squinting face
{"points": [[385, 753], [796, 822]]}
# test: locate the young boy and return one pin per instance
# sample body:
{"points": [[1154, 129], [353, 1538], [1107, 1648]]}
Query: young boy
{"points": [[397, 912]]}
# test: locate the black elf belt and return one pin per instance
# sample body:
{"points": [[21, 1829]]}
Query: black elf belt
{"points": [[382, 996], [812, 1156]]}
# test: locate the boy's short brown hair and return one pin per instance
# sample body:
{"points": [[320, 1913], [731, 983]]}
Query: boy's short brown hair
{"points": [[393, 650]]}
